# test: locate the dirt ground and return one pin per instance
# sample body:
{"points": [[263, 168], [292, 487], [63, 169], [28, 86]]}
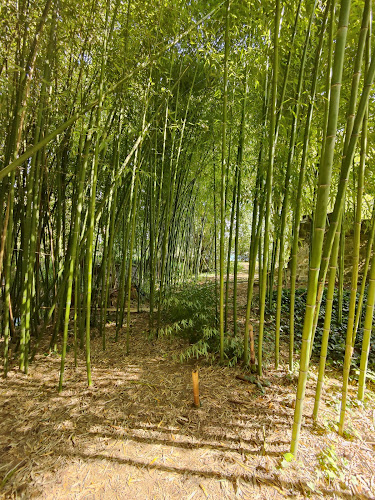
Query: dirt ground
{"points": [[136, 435]]}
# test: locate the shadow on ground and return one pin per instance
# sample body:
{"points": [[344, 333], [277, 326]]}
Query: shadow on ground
{"points": [[135, 433]]}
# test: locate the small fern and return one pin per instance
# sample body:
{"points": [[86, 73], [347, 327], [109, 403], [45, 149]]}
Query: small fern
{"points": [[190, 313]]}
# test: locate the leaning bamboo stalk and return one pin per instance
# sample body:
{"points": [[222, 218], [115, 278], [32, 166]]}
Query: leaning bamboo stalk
{"points": [[353, 297], [345, 170], [353, 127], [325, 172], [76, 116]]}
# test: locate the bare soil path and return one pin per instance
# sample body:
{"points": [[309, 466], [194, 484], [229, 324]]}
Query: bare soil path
{"points": [[136, 435]]}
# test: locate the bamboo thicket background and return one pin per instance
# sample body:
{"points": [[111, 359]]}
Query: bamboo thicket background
{"points": [[145, 142]]}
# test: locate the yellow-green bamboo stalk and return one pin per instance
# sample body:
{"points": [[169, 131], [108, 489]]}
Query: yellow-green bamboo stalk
{"points": [[371, 290], [223, 181], [93, 183], [255, 228], [341, 264], [324, 181], [330, 7], [327, 324], [367, 327], [353, 127], [350, 332], [8, 271], [285, 206], [365, 271], [238, 198], [269, 183]]}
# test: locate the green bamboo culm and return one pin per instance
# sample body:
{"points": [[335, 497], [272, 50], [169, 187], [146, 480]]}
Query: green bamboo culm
{"points": [[367, 327], [269, 184], [285, 205], [324, 182], [238, 199], [353, 127], [341, 263], [327, 323], [71, 263], [111, 232], [35, 192], [255, 224], [370, 243], [130, 261], [8, 271], [330, 6], [93, 183], [350, 331], [223, 181]]}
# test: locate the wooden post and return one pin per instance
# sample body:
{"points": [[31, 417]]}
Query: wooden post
{"points": [[196, 388]]}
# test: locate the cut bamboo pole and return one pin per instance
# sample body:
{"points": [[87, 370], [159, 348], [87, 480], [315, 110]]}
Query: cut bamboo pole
{"points": [[196, 388]]}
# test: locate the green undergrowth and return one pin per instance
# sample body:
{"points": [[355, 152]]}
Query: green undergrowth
{"points": [[337, 336], [189, 312]]}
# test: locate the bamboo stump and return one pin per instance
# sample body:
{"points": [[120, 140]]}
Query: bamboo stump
{"points": [[195, 377]]}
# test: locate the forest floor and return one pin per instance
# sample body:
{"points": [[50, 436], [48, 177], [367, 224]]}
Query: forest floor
{"points": [[136, 435]]}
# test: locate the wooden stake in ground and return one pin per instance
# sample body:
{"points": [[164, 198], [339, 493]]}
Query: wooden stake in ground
{"points": [[196, 388]]}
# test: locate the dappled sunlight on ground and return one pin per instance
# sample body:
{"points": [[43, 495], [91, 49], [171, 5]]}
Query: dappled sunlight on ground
{"points": [[135, 433]]}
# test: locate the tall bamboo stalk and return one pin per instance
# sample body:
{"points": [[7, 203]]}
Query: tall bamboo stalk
{"points": [[223, 180], [259, 199], [238, 198], [272, 137], [324, 182], [353, 127], [367, 327], [285, 206], [327, 323], [350, 332]]}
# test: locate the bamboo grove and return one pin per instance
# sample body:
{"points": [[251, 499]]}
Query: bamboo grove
{"points": [[145, 142]]}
